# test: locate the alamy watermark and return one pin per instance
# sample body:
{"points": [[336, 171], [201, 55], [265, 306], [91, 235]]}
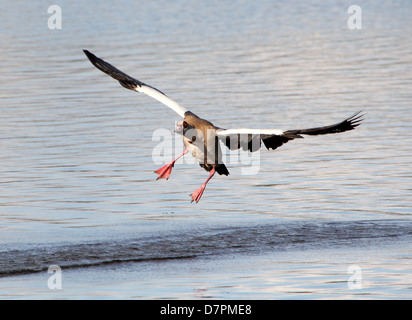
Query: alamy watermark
{"points": [[55, 280], [55, 20], [355, 20], [355, 280], [170, 144]]}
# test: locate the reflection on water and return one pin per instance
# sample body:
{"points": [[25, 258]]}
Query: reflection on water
{"points": [[76, 148]]}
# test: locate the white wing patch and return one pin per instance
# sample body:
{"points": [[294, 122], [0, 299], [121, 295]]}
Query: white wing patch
{"points": [[155, 94], [269, 132]]}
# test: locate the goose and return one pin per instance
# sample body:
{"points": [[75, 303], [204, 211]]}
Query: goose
{"points": [[201, 138]]}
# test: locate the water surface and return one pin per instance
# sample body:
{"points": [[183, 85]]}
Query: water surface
{"points": [[77, 182]]}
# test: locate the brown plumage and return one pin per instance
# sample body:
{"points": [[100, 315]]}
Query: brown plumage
{"points": [[203, 131]]}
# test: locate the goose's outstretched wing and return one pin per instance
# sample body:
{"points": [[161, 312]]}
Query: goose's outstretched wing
{"points": [[134, 84], [250, 139]]}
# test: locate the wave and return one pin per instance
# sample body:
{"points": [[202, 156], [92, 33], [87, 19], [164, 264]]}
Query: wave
{"points": [[212, 242]]}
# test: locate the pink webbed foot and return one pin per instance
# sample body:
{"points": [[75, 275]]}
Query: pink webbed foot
{"points": [[196, 195], [165, 171]]}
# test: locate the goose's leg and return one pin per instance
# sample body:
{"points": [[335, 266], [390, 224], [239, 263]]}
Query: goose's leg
{"points": [[199, 192], [166, 170]]}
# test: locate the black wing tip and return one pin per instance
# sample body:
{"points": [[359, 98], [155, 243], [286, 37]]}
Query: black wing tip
{"points": [[356, 119], [93, 59], [89, 54], [357, 115], [125, 80]]}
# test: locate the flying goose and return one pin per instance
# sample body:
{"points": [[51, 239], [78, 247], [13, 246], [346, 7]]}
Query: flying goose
{"points": [[201, 138]]}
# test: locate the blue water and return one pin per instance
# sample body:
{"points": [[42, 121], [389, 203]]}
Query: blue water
{"points": [[76, 151]]}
